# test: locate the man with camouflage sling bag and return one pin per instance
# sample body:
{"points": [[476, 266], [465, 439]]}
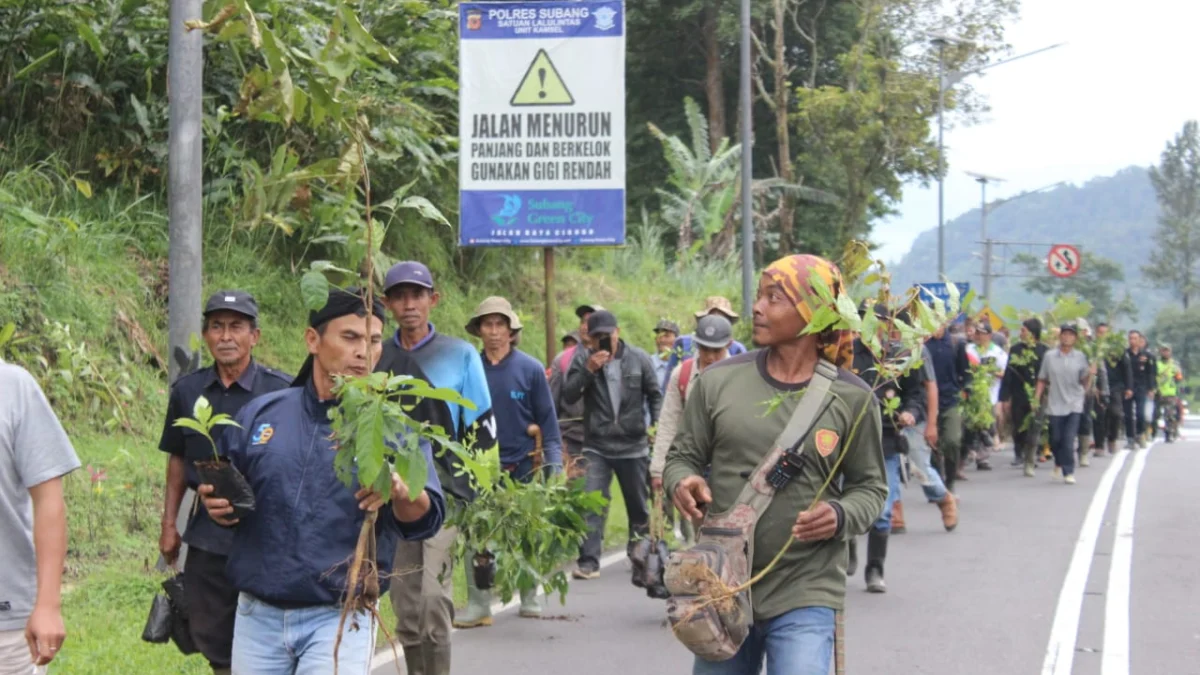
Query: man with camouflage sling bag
{"points": [[790, 617]]}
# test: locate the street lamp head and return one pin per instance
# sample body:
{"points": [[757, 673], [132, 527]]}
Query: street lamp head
{"points": [[984, 178]]}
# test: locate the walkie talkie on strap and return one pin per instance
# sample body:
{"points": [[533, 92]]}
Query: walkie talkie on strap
{"points": [[791, 463]]}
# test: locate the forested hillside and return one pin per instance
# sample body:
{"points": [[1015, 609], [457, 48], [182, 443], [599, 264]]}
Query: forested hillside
{"points": [[1113, 217]]}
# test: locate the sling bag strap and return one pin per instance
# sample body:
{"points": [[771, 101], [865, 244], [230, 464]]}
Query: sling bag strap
{"points": [[758, 493]]}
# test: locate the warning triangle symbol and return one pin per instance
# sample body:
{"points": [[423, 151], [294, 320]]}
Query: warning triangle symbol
{"points": [[542, 85]]}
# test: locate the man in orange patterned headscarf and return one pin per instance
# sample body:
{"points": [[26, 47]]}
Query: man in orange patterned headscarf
{"points": [[737, 412], [794, 275]]}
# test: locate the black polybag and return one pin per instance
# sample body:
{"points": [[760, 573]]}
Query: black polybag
{"points": [[484, 570], [229, 484], [181, 630], [158, 624], [656, 563], [639, 552]]}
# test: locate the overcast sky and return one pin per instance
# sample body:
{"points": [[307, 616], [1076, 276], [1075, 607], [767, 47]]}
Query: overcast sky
{"points": [[1121, 87]]}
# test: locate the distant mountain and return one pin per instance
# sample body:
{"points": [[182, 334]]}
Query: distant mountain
{"points": [[1113, 217]]}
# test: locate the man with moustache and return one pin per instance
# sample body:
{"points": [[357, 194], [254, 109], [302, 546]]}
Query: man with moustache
{"points": [[230, 331]]}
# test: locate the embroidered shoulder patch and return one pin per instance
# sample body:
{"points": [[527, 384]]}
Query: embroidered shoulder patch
{"points": [[826, 441]]}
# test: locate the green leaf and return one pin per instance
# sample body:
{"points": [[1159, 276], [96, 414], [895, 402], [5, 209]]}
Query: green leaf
{"points": [[84, 187], [143, 119], [89, 36], [425, 208], [360, 35], [822, 319], [189, 423], [417, 472], [314, 290], [849, 312], [7, 332], [35, 64], [202, 410]]}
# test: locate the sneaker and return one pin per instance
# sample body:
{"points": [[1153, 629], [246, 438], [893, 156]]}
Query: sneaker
{"points": [[1029, 471], [585, 572], [1056, 473], [1069, 480], [983, 466]]}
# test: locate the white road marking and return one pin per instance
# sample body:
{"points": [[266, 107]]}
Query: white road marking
{"points": [[385, 655], [1060, 652], [1115, 656]]}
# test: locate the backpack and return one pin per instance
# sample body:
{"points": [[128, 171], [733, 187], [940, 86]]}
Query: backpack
{"points": [[685, 376]]}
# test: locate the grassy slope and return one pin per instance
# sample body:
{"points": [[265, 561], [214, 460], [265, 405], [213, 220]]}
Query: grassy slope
{"points": [[81, 261]]}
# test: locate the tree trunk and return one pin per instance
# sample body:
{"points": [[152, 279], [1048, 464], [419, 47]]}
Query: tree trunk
{"points": [[714, 82], [787, 206]]}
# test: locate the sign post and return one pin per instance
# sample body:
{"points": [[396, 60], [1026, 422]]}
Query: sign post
{"points": [[542, 127]]}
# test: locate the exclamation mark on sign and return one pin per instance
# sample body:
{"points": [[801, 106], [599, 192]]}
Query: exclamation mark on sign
{"points": [[542, 79]]}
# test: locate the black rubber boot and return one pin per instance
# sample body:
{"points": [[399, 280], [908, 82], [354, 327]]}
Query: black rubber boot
{"points": [[876, 555]]}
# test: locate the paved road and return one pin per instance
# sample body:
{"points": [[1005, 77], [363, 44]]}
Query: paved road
{"points": [[1022, 586]]}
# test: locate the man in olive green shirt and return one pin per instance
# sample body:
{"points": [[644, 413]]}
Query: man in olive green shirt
{"points": [[726, 425]]}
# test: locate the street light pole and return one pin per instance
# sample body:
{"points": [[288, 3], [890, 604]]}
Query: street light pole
{"points": [[945, 81], [941, 231], [185, 172], [987, 243], [747, 169]]}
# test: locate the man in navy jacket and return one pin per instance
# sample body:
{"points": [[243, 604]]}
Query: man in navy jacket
{"points": [[290, 555]]}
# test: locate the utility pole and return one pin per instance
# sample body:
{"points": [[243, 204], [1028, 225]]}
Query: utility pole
{"points": [[747, 169], [185, 172], [983, 181]]}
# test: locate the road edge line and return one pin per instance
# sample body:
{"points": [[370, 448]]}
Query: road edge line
{"points": [[1060, 650], [1114, 657]]}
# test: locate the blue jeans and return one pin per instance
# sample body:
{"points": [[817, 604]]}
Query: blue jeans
{"points": [[920, 457], [799, 642], [268, 640], [1063, 432], [884, 522]]}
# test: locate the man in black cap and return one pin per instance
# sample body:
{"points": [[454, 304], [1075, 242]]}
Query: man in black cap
{"points": [[290, 557], [424, 603], [230, 330], [616, 383], [570, 415]]}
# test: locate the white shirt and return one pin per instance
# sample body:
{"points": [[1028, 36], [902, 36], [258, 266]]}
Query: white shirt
{"points": [[999, 358]]}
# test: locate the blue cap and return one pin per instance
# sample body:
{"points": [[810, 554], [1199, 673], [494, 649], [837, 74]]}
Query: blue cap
{"points": [[408, 272]]}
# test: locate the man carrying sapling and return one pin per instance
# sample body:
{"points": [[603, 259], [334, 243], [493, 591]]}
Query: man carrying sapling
{"points": [[736, 412], [230, 330], [290, 556], [521, 397], [424, 603]]}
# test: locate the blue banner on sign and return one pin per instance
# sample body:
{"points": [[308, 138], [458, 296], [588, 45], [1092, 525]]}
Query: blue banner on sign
{"points": [[543, 217], [539, 20], [941, 291]]}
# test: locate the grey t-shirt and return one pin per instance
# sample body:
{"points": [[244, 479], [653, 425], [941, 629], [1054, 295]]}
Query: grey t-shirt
{"points": [[1065, 374], [33, 449]]}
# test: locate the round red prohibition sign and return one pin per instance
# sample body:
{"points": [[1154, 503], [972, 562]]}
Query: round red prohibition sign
{"points": [[1063, 260]]}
